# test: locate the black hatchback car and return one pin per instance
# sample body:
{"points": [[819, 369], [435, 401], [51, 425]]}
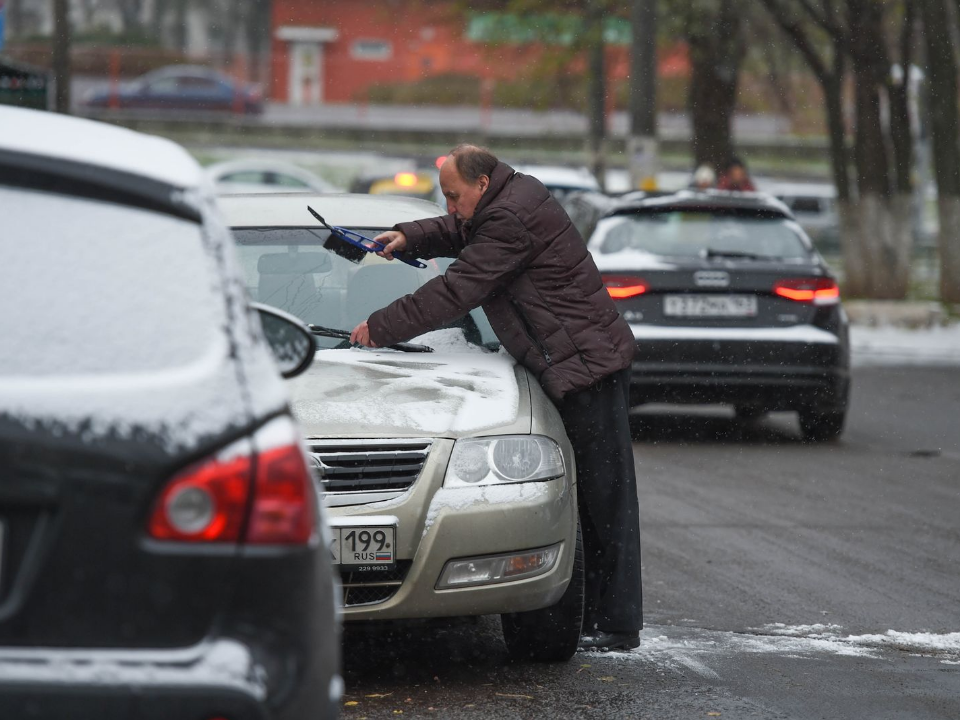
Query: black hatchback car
{"points": [[729, 303], [162, 552]]}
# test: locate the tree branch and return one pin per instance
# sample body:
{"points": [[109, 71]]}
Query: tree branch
{"points": [[825, 20], [793, 30]]}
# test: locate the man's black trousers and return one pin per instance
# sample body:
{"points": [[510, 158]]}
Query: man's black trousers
{"points": [[597, 423]]}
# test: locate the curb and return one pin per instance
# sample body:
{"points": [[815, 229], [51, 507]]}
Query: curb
{"points": [[895, 313]]}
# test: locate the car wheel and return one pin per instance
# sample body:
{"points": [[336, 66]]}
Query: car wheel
{"points": [[821, 426], [550, 634]]}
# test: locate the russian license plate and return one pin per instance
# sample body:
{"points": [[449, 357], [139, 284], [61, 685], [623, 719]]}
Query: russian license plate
{"points": [[365, 547], [710, 305]]}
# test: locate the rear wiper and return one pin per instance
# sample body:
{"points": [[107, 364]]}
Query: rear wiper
{"points": [[344, 335], [711, 253]]}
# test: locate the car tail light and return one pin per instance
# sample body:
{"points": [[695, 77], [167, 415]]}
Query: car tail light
{"points": [[621, 287], [257, 491], [819, 291]]}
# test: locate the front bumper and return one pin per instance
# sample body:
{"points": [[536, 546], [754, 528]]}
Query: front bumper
{"points": [[437, 524], [769, 368]]}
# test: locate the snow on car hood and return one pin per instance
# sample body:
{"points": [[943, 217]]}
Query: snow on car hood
{"points": [[385, 392]]}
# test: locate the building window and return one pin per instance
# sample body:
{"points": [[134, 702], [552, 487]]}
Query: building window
{"points": [[371, 50]]}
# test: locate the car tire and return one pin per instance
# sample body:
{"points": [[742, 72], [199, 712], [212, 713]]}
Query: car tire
{"points": [[817, 426], [550, 634]]}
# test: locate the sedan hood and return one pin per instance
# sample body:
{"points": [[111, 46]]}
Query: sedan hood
{"points": [[385, 393]]}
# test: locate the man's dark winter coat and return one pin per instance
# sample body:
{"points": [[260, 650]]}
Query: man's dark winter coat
{"points": [[522, 259]]}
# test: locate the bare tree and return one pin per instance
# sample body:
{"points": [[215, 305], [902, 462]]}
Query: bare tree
{"points": [[941, 67], [877, 248], [826, 57]]}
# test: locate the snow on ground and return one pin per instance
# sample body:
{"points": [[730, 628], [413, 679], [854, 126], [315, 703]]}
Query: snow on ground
{"points": [[899, 346], [697, 649]]}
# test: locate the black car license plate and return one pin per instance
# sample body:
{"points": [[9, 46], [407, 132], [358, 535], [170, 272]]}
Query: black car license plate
{"points": [[710, 305]]}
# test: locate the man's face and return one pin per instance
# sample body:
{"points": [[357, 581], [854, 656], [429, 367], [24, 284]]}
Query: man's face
{"points": [[462, 196]]}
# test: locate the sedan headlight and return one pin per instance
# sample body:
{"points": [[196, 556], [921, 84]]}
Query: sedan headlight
{"points": [[505, 459]]}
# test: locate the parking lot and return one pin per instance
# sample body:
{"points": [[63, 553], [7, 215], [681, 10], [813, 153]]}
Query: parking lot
{"points": [[781, 579]]}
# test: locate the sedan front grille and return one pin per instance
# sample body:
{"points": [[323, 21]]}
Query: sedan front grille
{"points": [[367, 465]]}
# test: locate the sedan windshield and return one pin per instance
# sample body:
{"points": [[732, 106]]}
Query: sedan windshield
{"points": [[700, 234], [290, 269]]}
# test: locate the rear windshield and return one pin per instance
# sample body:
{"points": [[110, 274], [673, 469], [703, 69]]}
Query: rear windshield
{"points": [[96, 288], [290, 269], [697, 234]]}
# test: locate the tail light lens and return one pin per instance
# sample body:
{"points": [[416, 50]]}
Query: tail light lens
{"points": [[257, 491], [819, 291], [621, 287], [206, 502]]}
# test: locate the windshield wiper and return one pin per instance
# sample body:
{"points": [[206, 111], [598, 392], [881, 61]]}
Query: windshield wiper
{"points": [[711, 253], [344, 335]]}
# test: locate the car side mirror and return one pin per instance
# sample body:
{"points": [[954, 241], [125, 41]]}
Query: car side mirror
{"points": [[292, 343]]}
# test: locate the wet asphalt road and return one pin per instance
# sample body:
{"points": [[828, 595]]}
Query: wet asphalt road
{"points": [[773, 571]]}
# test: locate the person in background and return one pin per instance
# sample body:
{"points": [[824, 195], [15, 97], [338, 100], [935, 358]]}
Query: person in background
{"points": [[704, 178], [521, 259], [735, 177]]}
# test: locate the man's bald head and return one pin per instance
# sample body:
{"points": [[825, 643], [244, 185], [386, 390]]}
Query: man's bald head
{"points": [[465, 177], [472, 161]]}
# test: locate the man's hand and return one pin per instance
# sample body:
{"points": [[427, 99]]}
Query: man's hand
{"points": [[361, 335], [393, 241]]}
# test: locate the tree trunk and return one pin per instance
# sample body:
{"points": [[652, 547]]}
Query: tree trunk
{"points": [[130, 15], [61, 55], [180, 25], [596, 83], [643, 149], [894, 270], [854, 270], [837, 131], [258, 38], [14, 18], [871, 66], [717, 49], [941, 70]]}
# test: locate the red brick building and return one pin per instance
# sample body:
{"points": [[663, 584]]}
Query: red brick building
{"points": [[332, 51]]}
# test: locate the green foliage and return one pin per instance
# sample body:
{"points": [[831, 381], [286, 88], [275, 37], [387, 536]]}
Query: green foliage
{"points": [[445, 89]]}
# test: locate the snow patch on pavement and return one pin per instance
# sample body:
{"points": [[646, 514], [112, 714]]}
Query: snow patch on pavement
{"points": [[698, 650], [889, 345]]}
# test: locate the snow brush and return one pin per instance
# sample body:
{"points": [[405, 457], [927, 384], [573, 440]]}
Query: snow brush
{"points": [[353, 246]]}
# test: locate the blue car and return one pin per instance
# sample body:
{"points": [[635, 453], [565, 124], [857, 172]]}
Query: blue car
{"points": [[183, 88]]}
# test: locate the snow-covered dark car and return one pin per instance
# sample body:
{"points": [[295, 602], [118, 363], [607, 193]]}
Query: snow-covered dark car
{"points": [[729, 303], [162, 550]]}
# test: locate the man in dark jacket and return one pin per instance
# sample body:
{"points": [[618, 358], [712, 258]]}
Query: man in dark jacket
{"points": [[521, 259]]}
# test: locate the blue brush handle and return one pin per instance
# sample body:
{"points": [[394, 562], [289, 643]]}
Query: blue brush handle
{"points": [[355, 238], [360, 241]]}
